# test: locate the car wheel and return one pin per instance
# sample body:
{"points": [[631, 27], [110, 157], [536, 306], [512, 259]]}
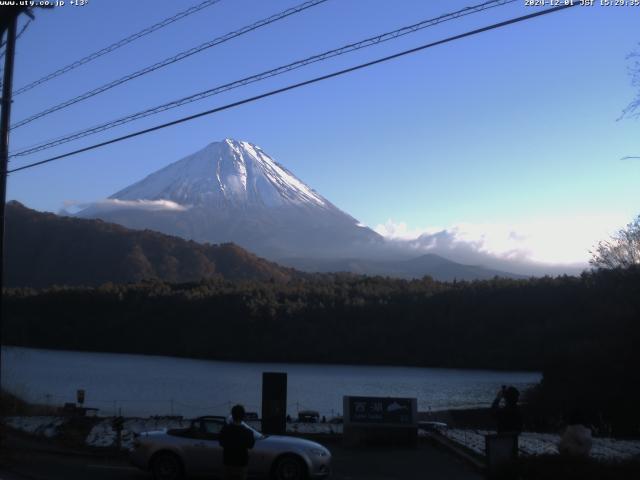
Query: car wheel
{"points": [[289, 468], [166, 466]]}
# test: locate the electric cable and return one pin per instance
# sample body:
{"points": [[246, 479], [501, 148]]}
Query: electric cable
{"points": [[295, 86], [262, 76], [169, 61], [118, 44]]}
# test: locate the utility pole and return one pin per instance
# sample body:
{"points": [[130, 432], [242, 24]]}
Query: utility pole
{"points": [[9, 29], [8, 26]]}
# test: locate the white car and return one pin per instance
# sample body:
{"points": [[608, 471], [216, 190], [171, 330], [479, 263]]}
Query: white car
{"points": [[174, 454]]}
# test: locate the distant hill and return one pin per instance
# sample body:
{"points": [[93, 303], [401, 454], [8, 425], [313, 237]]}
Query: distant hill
{"points": [[433, 265], [44, 249]]}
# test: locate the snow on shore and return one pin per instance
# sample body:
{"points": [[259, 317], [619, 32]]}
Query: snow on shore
{"points": [[41, 426], [531, 443], [102, 434]]}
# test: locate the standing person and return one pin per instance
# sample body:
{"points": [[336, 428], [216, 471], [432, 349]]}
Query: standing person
{"points": [[508, 417], [502, 448], [236, 440]]}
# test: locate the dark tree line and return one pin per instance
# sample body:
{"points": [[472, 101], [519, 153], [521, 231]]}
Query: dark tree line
{"points": [[582, 332]]}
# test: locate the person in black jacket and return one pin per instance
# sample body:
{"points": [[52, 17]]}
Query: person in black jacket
{"points": [[508, 417], [236, 440]]}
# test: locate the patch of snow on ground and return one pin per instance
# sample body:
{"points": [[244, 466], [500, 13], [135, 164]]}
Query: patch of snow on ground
{"points": [[104, 435], [531, 443], [327, 428], [40, 426]]}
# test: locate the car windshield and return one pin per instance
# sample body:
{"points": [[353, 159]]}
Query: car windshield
{"points": [[212, 426], [256, 434]]}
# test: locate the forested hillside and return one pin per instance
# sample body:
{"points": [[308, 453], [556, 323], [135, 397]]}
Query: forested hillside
{"points": [[44, 249]]}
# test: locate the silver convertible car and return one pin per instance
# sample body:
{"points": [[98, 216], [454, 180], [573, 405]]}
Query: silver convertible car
{"points": [[174, 454]]}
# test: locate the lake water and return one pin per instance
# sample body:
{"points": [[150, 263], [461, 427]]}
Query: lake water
{"points": [[142, 385]]}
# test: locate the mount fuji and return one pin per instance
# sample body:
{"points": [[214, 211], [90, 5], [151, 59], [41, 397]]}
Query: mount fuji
{"points": [[232, 191]]}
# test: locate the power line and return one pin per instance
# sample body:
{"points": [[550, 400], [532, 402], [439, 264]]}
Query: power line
{"points": [[168, 61], [24, 27], [264, 75], [297, 85], [116, 45], [22, 30]]}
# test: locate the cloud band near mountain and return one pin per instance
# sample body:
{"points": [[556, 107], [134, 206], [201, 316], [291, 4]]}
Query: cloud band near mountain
{"points": [[145, 205]]}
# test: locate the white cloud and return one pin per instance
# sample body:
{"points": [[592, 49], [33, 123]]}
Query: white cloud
{"points": [[401, 231], [113, 204], [550, 240]]}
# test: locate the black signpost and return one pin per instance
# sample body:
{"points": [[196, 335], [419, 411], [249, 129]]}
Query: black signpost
{"points": [[274, 403], [380, 420]]}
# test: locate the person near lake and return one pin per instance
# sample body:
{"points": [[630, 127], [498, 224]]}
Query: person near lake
{"points": [[508, 416], [576, 440], [236, 440]]}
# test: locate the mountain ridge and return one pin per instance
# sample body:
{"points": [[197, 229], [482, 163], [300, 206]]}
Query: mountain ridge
{"points": [[238, 170], [232, 191], [429, 264]]}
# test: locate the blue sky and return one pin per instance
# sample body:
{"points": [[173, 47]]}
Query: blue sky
{"points": [[509, 139]]}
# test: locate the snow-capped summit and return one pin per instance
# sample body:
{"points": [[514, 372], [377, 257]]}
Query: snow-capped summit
{"points": [[232, 191], [226, 172]]}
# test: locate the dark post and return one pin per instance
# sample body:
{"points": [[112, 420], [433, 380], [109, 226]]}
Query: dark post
{"points": [[118, 425], [501, 455], [274, 403], [5, 116]]}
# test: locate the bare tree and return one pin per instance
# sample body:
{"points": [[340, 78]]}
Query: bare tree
{"points": [[633, 109], [622, 250]]}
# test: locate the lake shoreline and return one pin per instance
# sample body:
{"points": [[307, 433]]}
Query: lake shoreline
{"points": [[478, 418], [143, 385]]}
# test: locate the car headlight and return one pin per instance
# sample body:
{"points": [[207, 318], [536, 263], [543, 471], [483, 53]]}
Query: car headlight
{"points": [[318, 452]]}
